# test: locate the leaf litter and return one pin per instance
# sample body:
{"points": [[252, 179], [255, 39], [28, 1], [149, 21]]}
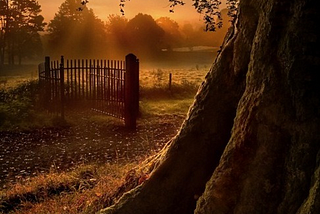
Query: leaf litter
{"points": [[28, 153]]}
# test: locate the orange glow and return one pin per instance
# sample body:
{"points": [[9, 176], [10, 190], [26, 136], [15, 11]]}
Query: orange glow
{"points": [[156, 8]]}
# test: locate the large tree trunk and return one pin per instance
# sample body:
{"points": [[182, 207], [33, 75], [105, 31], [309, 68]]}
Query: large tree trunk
{"points": [[251, 141]]}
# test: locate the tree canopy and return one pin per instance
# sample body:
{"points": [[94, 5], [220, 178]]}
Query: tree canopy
{"points": [[143, 32], [210, 9], [75, 32], [21, 23]]}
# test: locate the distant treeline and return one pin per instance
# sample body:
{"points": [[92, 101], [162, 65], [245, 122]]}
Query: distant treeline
{"points": [[20, 24], [77, 33]]}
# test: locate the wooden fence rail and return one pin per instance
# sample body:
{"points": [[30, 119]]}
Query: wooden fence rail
{"points": [[110, 86]]}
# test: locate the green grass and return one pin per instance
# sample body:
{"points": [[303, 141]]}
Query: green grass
{"points": [[159, 78], [21, 109], [165, 106], [11, 76]]}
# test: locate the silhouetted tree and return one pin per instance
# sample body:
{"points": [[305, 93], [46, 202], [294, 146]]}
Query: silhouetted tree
{"points": [[189, 34], [144, 36], [116, 32], [172, 37], [21, 24], [76, 32]]}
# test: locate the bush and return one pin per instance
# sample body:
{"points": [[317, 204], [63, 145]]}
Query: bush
{"points": [[19, 106]]}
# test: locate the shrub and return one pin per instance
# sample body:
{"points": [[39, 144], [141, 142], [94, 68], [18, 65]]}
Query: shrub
{"points": [[19, 105]]}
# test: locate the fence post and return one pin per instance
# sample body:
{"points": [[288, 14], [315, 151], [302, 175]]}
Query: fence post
{"points": [[47, 66], [131, 91], [47, 81], [170, 81], [62, 86], [136, 89]]}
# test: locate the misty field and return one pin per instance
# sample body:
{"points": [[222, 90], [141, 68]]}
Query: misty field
{"points": [[160, 77], [13, 76]]}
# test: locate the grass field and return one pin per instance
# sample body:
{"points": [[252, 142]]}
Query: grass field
{"points": [[18, 107], [80, 166], [10, 77]]}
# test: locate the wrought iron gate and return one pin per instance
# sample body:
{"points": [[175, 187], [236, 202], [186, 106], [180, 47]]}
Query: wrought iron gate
{"points": [[110, 86]]}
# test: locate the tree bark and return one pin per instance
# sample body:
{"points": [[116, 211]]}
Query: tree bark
{"points": [[250, 143]]}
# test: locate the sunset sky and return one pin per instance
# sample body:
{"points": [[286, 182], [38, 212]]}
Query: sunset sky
{"points": [[103, 8]]}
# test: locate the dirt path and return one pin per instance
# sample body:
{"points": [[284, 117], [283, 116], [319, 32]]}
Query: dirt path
{"points": [[24, 154]]}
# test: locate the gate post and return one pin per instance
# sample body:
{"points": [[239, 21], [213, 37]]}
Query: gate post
{"points": [[131, 91], [62, 86], [47, 81]]}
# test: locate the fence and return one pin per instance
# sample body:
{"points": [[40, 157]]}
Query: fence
{"points": [[111, 87]]}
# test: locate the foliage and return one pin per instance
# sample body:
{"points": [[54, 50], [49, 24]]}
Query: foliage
{"points": [[172, 37], [209, 8], [174, 3], [20, 24], [75, 32], [116, 34], [17, 104], [158, 77], [20, 108], [116, 26], [144, 35]]}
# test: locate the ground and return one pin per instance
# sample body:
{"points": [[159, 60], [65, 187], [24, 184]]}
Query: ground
{"points": [[89, 138]]}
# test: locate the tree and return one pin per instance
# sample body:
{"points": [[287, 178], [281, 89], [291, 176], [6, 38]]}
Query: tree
{"points": [[76, 32], [189, 35], [116, 25], [116, 32], [144, 36], [20, 27], [251, 141], [172, 37]]}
